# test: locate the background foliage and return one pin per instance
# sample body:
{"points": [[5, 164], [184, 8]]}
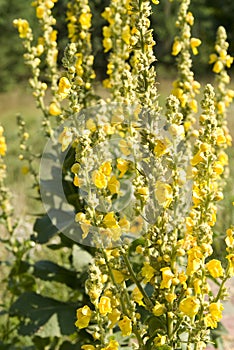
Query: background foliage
{"points": [[211, 14]]}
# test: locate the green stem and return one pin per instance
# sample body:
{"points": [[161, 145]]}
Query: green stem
{"points": [[122, 302], [138, 284]]}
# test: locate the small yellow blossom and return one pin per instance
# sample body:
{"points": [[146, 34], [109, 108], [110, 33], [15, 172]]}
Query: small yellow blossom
{"points": [[106, 168], [3, 146], [124, 224], [113, 185], [22, 26], [109, 220], [163, 193], [194, 43], [125, 326], [216, 311], [215, 268], [104, 305], [114, 317], [160, 147], [137, 296], [159, 309], [122, 166], [113, 345], [160, 340], [230, 258], [83, 317], [167, 277], [54, 109], [107, 44], [195, 256], [118, 276], [190, 18], [84, 223], [99, 179], [85, 20], [190, 306], [147, 272], [87, 347], [176, 48], [40, 11], [126, 34], [64, 87]]}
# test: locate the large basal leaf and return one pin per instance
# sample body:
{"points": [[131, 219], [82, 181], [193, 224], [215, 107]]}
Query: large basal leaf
{"points": [[45, 230], [49, 271], [36, 311]]}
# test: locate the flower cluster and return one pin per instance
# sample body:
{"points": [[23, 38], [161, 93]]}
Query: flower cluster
{"points": [[185, 86]]}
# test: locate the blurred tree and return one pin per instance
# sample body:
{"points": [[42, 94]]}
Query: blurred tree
{"points": [[12, 68]]}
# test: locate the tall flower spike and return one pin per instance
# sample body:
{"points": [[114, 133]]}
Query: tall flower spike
{"points": [[78, 58], [143, 58], [116, 39], [185, 87]]}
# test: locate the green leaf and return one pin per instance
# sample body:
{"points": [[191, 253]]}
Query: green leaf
{"points": [[35, 311], [45, 230], [49, 271]]}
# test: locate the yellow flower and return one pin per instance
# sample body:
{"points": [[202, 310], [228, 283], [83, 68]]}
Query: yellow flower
{"points": [[76, 181], [159, 309], [223, 158], [160, 340], [198, 158], [104, 305], [163, 193], [176, 48], [122, 166], [65, 138], [114, 317], [126, 34], [137, 296], [216, 311], [84, 223], [64, 87], [118, 276], [113, 345], [215, 268], [210, 322], [83, 317], [107, 44], [190, 18], [106, 168], [109, 220], [230, 258], [147, 272], [195, 256], [85, 20], [160, 147], [113, 185], [99, 179], [22, 26], [3, 146], [87, 347], [167, 277], [194, 43], [40, 10], [75, 168], [189, 306], [54, 109], [125, 326], [218, 66]]}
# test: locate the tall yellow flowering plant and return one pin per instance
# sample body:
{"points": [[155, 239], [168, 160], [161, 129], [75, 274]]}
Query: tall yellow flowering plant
{"points": [[145, 187]]}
